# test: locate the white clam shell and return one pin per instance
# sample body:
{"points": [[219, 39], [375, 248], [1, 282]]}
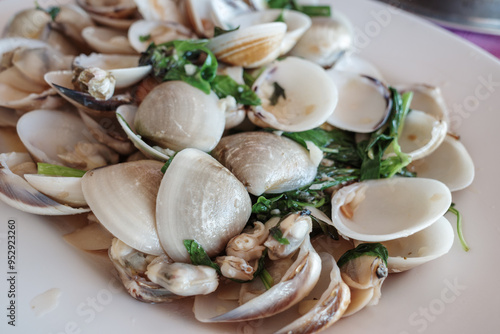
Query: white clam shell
{"points": [[66, 190], [355, 64], [364, 103], [123, 198], [386, 209], [125, 68], [157, 31], [326, 40], [265, 162], [428, 99], [176, 115], [422, 134], [421, 247], [225, 10], [311, 96], [18, 193], [249, 47], [297, 23], [199, 13], [450, 163], [107, 40], [199, 199]]}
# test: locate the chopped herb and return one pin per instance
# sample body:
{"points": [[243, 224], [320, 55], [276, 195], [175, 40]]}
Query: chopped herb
{"points": [[52, 11], [219, 31], [144, 38], [224, 85], [457, 213], [369, 249], [281, 17], [198, 255], [250, 78], [277, 93], [56, 170], [167, 164], [266, 279], [170, 61], [277, 234]]}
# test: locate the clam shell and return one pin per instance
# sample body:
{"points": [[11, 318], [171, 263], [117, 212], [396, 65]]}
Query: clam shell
{"points": [[364, 103], [428, 99], [386, 209], [355, 64], [65, 190], [162, 10], [450, 163], [249, 47], [176, 115], [123, 198], [107, 40], [158, 32], [199, 13], [16, 192], [311, 96], [297, 24], [199, 199], [265, 162]]}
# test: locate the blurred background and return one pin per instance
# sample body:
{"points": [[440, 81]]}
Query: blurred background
{"points": [[476, 20]]}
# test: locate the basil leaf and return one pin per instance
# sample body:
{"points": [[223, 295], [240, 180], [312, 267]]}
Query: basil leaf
{"points": [[277, 234], [265, 205], [266, 279], [281, 17], [366, 249], [56, 170], [219, 31], [277, 93], [144, 38], [224, 85], [198, 255], [308, 10], [187, 60], [52, 11], [167, 164]]}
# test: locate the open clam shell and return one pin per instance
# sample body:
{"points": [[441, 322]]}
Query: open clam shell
{"points": [[355, 64], [295, 284], [419, 248], [123, 198], [162, 10], [71, 145], [142, 33], [108, 40], [65, 190], [265, 162], [249, 47], [297, 24], [428, 99], [199, 199], [450, 163], [309, 98], [364, 103], [386, 209], [326, 41], [18, 193]]}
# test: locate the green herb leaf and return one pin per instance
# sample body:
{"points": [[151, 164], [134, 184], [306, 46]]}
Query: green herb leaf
{"points": [[277, 234], [366, 249], [224, 85], [266, 279], [281, 17], [56, 170], [219, 31], [187, 60], [167, 164], [460, 233], [198, 255], [265, 205], [52, 11], [308, 10], [277, 93], [144, 38]]}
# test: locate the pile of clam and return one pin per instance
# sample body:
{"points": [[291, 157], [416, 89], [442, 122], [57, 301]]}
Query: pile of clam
{"points": [[73, 90]]}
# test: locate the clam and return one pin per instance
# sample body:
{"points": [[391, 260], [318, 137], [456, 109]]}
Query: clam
{"points": [[325, 304], [142, 33], [108, 40], [131, 266], [113, 9], [296, 22], [296, 95], [63, 189], [364, 103], [422, 134], [326, 41], [355, 64], [124, 68], [123, 198], [224, 10], [428, 99], [61, 138], [419, 248], [162, 10], [176, 115], [265, 162], [296, 283], [249, 47], [18, 193], [450, 163], [199, 13], [199, 199], [386, 209]]}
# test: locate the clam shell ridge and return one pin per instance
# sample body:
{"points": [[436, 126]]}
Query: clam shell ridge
{"points": [[199, 199]]}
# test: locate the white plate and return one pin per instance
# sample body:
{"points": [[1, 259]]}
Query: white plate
{"points": [[457, 293]]}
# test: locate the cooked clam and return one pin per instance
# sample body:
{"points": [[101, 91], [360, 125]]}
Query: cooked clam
{"points": [[108, 40], [296, 94], [265, 162], [142, 33]]}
